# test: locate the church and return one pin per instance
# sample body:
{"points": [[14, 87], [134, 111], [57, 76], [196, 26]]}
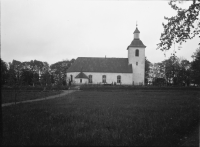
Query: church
{"points": [[119, 71]]}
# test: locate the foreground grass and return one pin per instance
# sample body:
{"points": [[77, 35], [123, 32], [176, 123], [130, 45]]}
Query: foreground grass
{"points": [[12, 96], [132, 118]]}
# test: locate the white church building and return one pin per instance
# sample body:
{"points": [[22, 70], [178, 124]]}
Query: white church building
{"points": [[120, 71]]}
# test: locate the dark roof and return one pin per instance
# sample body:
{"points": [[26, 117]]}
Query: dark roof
{"points": [[92, 64], [81, 75], [136, 30], [136, 43]]}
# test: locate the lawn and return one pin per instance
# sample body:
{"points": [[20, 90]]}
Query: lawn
{"points": [[131, 118], [8, 96]]}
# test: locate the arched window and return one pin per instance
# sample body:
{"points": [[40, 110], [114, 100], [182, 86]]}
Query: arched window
{"points": [[119, 79], [136, 52], [71, 78], [90, 78], [104, 79], [137, 63]]}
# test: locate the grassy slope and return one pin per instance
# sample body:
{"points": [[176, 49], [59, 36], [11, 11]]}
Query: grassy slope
{"points": [[104, 118]]}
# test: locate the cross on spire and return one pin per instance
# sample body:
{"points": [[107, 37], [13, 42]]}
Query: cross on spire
{"points": [[136, 24]]}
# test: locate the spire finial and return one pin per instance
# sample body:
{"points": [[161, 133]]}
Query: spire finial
{"points": [[136, 24]]}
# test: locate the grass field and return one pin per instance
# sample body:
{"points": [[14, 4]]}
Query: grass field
{"points": [[131, 118], [8, 96]]}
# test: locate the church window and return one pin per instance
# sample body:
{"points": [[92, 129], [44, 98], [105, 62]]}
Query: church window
{"points": [[90, 78], [137, 63], [118, 79], [136, 52], [104, 79], [80, 80], [71, 78]]}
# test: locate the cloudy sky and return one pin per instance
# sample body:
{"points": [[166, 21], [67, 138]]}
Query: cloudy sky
{"points": [[56, 30]]}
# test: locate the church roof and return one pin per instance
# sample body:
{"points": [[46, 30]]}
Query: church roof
{"points": [[136, 43], [136, 30], [92, 64], [81, 75]]}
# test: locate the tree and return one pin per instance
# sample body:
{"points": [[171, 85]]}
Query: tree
{"points": [[184, 72], [59, 69], [17, 66], [147, 70], [46, 79], [158, 70], [11, 75], [195, 67], [37, 66], [157, 73], [185, 25], [27, 77], [171, 69], [4, 72]]}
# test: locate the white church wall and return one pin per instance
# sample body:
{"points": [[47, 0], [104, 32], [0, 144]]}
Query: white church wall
{"points": [[138, 64], [126, 78]]}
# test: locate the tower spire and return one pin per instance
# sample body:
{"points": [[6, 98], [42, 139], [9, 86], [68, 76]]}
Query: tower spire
{"points": [[136, 32]]}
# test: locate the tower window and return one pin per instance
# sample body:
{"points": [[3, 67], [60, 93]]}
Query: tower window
{"points": [[136, 52], [137, 63], [80, 80], [104, 79]]}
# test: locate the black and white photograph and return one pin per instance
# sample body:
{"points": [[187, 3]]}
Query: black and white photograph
{"points": [[100, 72]]}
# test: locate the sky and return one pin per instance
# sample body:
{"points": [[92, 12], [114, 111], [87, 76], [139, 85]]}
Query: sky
{"points": [[57, 30]]}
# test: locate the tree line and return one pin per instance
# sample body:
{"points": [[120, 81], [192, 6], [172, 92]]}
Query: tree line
{"points": [[34, 73], [174, 71]]}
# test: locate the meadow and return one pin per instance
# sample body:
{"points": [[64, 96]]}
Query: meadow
{"points": [[105, 117]]}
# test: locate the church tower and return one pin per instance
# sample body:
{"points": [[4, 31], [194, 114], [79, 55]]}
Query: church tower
{"points": [[136, 57]]}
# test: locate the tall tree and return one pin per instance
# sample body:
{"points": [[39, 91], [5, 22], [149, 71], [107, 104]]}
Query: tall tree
{"points": [[147, 70], [171, 69], [59, 70], [157, 73], [185, 25], [36, 66], [17, 66], [195, 67], [27, 77], [46, 79], [183, 73], [157, 70], [4, 72], [11, 75]]}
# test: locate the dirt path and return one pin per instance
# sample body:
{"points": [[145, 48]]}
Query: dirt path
{"points": [[65, 92]]}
